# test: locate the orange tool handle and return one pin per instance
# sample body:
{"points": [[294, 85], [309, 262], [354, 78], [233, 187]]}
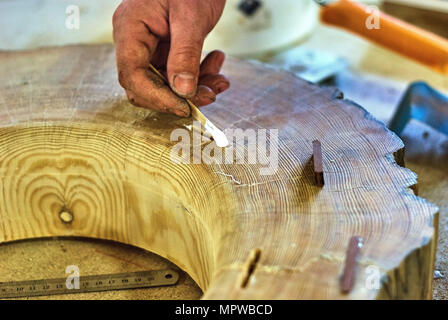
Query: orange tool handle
{"points": [[392, 33]]}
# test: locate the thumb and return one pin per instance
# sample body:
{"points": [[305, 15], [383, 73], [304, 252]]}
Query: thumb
{"points": [[184, 58]]}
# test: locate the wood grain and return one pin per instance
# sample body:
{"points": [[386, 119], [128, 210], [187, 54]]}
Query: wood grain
{"points": [[69, 140]]}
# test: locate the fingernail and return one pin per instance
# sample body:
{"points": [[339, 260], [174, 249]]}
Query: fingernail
{"points": [[184, 84], [205, 95], [179, 113], [222, 86], [211, 99]]}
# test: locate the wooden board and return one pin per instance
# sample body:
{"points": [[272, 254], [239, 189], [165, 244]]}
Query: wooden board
{"points": [[69, 140], [427, 154]]}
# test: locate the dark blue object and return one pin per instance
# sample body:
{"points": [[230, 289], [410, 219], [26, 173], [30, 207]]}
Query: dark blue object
{"points": [[249, 7], [423, 103]]}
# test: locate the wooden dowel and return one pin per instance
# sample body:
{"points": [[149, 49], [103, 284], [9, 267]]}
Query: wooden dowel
{"points": [[317, 162], [349, 275]]}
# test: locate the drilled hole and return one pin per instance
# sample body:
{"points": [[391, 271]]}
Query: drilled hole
{"points": [[66, 216]]}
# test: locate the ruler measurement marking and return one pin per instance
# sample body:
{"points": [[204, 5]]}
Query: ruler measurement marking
{"points": [[92, 283]]}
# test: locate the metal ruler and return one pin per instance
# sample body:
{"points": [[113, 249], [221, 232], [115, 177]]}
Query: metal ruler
{"points": [[94, 283]]}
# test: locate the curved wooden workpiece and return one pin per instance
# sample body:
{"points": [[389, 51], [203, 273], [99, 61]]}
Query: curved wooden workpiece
{"points": [[77, 159]]}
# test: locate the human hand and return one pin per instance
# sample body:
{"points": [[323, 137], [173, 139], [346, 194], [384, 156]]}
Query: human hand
{"points": [[170, 35]]}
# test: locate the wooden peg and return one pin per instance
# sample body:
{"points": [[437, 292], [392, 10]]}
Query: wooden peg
{"points": [[348, 277], [250, 266], [317, 162]]}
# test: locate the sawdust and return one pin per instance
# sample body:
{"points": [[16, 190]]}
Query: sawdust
{"points": [[48, 258]]}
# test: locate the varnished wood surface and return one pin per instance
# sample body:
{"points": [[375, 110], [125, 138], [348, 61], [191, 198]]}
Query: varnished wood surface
{"points": [[69, 139]]}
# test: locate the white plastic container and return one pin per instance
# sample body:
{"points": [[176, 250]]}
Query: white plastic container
{"points": [[273, 25]]}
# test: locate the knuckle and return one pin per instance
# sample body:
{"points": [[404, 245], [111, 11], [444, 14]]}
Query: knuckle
{"points": [[189, 50], [186, 57], [124, 79], [116, 17]]}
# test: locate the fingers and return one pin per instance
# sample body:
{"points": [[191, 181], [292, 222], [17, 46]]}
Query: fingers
{"points": [[217, 82], [134, 47], [147, 90], [204, 96], [187, 37], [211, 82], [212, 63], [177, 56], [209, 74]]}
